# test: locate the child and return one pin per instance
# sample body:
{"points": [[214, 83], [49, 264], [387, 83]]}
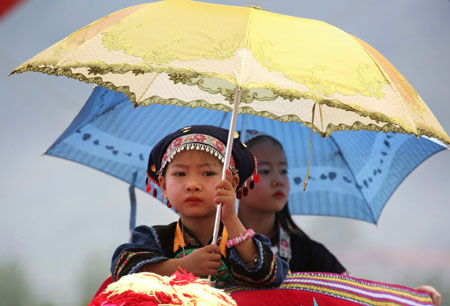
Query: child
{"points": [[187, 166], [265, 209]]}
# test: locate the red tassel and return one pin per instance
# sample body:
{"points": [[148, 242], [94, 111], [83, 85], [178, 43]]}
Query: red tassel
{"points": [[251, 184], [256, 177], [183, 278], [168, 204], [245, 191], [149, 187], [239, 194], [155, 192]]}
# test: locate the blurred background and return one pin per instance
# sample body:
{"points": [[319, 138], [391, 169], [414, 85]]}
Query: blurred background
{"points": [[60, 221]]}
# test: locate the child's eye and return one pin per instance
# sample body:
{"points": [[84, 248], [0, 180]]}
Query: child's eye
{"points": [[179, 173], [284, 171], [263, 171], [209, 173]]}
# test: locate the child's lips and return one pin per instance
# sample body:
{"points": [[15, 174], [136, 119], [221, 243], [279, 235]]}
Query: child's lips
{"points": [[279, 194], [192, 200]]}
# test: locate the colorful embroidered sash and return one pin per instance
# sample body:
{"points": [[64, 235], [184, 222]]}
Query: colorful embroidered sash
{"points": [[329, 289]]}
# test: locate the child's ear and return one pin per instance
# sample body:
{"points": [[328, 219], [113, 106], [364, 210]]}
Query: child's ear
{"points": [[162, 185], [235, 181]]}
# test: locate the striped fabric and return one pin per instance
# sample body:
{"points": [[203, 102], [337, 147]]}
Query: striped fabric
{"points": [[331, 289]]}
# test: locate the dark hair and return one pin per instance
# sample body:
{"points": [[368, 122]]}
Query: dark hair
{"points": [[285, 219], [283, 216]]}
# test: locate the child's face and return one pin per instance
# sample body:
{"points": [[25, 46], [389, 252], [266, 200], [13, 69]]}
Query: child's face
{"points": [[189, 183], [271, 192]]}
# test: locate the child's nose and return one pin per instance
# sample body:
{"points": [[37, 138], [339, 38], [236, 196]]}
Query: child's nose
{"points": [[192, 186], [277, 181]]}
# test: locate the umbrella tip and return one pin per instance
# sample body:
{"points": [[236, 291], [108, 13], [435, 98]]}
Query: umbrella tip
{"points": [[304, 184]]}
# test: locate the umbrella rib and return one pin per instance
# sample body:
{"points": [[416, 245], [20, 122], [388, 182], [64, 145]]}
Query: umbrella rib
{"points": [[354, 178], [247, 34], [224, 117], [148, 86], [396, 91]]}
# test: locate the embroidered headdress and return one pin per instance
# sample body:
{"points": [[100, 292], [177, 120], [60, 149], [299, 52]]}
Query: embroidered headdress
{"points": [[210, 139]]}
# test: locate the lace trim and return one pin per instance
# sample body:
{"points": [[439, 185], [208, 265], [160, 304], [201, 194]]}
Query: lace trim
{"points": [[190, 77]]}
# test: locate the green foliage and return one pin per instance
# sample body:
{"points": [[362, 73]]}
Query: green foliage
{"points": [[91, 276], [15, 288]]}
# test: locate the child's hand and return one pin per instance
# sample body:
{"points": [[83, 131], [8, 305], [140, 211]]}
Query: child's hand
{"points": [[434, 294], [225, 194], [203, 261]]}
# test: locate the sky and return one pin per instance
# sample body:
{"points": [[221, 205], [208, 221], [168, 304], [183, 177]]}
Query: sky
{"points": [[58, 217]]}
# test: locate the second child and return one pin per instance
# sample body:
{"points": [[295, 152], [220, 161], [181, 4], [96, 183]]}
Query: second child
{"points": [[265, 209]]}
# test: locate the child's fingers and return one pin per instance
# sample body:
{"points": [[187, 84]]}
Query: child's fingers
{"points": [[229, 175], [212, 248], [214, 256], [224, 184], [222, 200], [215, 265], [214, 260], [220, 192]]}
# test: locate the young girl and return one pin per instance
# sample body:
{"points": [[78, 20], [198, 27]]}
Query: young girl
{"points": [[265, 210], [187, 166]]}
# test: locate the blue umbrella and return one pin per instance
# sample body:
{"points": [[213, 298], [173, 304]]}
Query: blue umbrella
{"points": [[353, 173]]}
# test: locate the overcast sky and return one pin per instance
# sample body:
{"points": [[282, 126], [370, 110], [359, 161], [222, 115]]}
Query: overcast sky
{"points": [[56, 214]]}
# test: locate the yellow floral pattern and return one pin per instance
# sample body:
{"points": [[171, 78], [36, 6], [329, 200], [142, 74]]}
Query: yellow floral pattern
{"points": [[152, 52]]}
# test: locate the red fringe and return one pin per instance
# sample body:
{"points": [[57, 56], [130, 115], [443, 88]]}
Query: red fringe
{"points": [[131, 298]]}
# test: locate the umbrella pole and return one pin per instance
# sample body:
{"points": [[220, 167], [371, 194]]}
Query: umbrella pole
{"points": [[132, 203], [226, 164]]}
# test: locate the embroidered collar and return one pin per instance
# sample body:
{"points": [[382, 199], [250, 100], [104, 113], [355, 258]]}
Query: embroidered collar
{"points": [[281, 244], [185, 239]]}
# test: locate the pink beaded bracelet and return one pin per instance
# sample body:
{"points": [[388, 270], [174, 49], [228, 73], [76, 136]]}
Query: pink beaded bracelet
{"points": [[241, 238]]}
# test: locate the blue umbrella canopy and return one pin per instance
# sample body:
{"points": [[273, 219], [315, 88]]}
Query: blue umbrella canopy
{"points": [[353, 173]]}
